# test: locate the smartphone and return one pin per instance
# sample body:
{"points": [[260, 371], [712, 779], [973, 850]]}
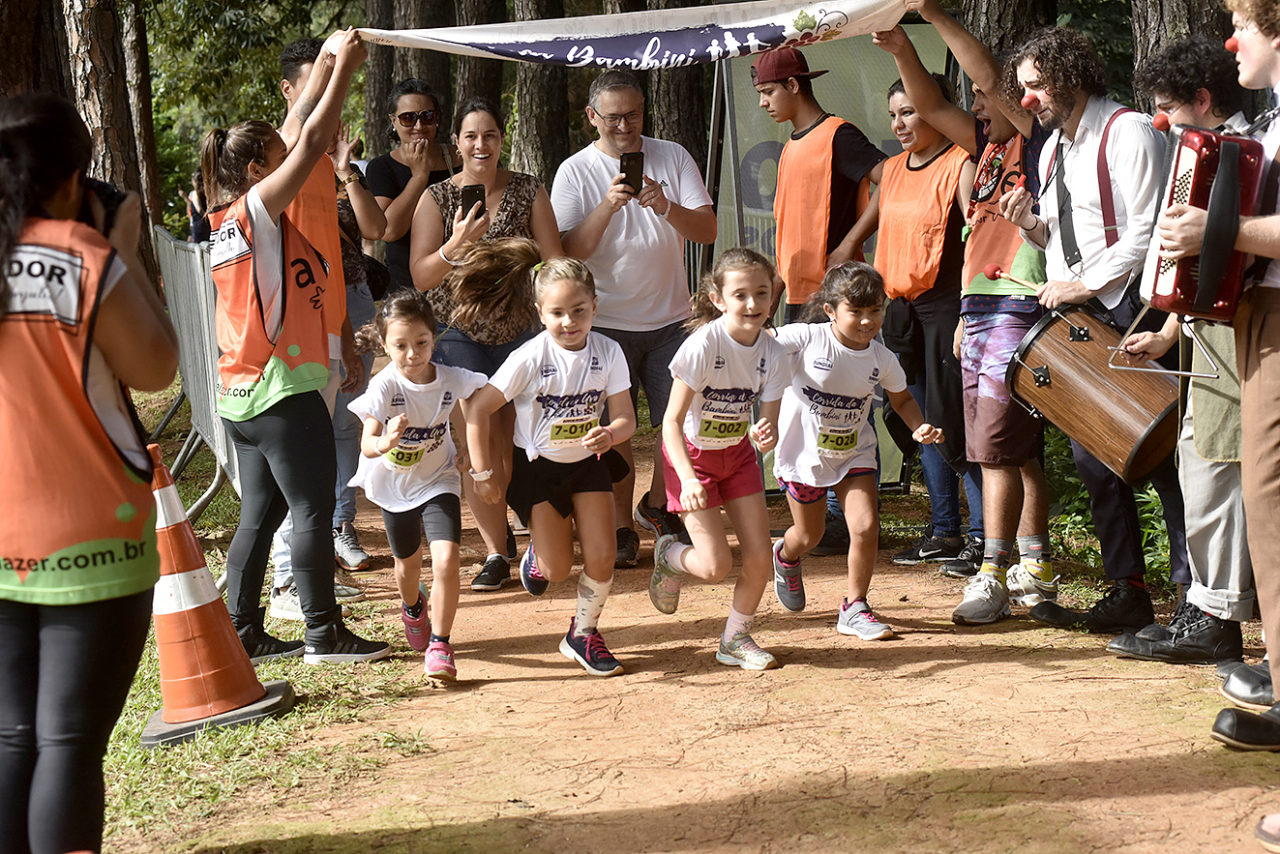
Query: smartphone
{"points": [[471, 195], [632, 164]]}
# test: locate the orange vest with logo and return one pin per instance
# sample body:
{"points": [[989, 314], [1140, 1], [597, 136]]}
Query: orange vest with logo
{"points": [[254, 373], [914, 206], [992, 238], [802, 208], [77, 522], [314, 212]]}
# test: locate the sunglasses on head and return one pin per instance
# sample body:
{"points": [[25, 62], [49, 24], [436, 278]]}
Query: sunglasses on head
{"points": [[408, 120]]}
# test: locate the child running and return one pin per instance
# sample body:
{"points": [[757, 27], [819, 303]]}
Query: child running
{"points": [[720, 371], [407, 467], [560, 383], [826, 438]]}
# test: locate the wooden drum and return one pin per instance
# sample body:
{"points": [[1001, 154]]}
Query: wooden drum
{"points": [[1127, 419]]}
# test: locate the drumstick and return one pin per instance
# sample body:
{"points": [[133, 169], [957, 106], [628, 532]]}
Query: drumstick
{"points": [[993, 272]]}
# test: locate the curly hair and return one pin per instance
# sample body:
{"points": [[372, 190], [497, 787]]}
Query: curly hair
{"points": [[1264, 14], [1185, 67], [1066, 61]]}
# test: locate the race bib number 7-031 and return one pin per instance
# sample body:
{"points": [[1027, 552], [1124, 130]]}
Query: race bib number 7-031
{"points": [[402, 458]]}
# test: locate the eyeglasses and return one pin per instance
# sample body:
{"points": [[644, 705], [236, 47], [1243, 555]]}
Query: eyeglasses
{"points": [[632, 118], [408, 120]]}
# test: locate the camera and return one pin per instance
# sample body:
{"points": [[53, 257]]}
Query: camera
{"points": [[111, 198]]}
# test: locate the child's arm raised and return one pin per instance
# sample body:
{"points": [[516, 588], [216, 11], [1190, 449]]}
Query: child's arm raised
{"points": [[764, 433], [905, 405], [373, 443], [477, 409], [693, 495], [605, 436]]}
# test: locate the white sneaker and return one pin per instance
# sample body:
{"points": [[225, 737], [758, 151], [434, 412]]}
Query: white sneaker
{"points": [[985, 601], [858, 619], [286, 606], [1026, 589]]}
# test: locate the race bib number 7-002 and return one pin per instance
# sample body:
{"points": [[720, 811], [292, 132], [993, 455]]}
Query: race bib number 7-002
{"points": [[721, 431]]}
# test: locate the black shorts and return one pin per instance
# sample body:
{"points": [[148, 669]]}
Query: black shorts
{"points": [[536, 481], [441, 515]]}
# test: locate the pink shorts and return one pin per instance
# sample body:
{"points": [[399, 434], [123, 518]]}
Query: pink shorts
{"points": [[805, 494], [726, 473]]}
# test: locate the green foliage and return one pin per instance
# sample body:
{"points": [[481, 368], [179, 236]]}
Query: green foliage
{"points": [[1109, 25]]}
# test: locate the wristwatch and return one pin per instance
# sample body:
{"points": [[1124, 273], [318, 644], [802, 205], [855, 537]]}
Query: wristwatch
{"points": [[354, 176]]}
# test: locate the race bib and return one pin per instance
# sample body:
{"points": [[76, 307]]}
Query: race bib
{"points": [[402, 459], [721, 431], [571, 431], [837, 442]]}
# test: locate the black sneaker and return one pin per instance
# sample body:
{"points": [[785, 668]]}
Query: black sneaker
{"points": [[930, 548], [835, 538], [967, 562], [495, 573], [334, 643], [628, 549], [533, 580], [657, 520], [1123, 608], [589, 651], [1198, 638], [260, 646]]}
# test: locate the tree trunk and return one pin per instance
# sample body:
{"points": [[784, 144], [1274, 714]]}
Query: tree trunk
{"points": [[430, 65], [378, 80], [678, 100], [479, 77], [138, 64], [540, 142], [1003, 25], [33, 64], [95, 54], [1159, 23]]}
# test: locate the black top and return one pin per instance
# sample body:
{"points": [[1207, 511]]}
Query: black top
{"points": [[388, 177]]}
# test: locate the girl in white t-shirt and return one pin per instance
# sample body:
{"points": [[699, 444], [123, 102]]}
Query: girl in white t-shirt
{"points": [[720, 371], [408, 469], [560, 383], [826, 439]]}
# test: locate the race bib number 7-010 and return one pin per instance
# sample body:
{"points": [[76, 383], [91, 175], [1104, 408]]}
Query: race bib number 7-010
{"points": [[571, 431]]}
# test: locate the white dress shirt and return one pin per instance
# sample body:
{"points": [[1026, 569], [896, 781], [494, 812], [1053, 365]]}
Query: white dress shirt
{"points": [[1135, 157]]}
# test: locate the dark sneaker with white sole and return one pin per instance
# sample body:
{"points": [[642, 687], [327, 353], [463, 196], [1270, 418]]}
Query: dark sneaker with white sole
{"points": [[657, 520], [495, 573], [628, 549], [336, 644], [929, 548], [967, 562], [590, 651], [533, 580]]}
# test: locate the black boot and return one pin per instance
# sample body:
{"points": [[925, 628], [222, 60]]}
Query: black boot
{"points": [[1124, 608], [1197, 638]]}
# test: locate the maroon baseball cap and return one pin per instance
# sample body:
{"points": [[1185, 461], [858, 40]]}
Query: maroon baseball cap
{"points": [[776, 66]]}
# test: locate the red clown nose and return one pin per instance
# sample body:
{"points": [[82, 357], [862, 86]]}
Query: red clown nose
{"points": [[1161, 122], [1232, 44], [1030, 102]]}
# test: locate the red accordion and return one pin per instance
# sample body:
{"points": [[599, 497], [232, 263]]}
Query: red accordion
{"points": [[1222, 174]]}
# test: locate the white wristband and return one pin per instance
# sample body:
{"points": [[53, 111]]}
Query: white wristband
{"points": [[481, 476], [445, 258], [667, 211], [691, 480]]}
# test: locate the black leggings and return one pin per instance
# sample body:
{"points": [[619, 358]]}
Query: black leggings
{"points": [[65, 671], [286, 462]]}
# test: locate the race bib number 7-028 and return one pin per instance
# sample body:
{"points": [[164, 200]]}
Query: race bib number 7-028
{"points": [[837, 442]]}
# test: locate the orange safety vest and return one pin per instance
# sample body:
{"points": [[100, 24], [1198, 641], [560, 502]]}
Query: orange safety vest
{"points": [[914, 206], [78, 522], [253, 372], [992, 238], [802, 208], [314, 212]]}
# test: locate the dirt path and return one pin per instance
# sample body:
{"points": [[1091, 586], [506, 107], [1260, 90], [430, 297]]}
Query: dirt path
{"points": [[1009, 738]]}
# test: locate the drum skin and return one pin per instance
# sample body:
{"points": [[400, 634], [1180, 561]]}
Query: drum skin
{"points": [[1127, 419]]}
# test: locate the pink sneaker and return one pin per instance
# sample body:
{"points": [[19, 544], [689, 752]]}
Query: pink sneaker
{"points": [[417, 631], [439, 664]]}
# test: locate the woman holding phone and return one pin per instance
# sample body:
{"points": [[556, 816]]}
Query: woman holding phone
{"points": [[443, 231]]}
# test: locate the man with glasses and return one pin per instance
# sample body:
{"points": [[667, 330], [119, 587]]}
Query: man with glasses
{"points": [[634, 244]]}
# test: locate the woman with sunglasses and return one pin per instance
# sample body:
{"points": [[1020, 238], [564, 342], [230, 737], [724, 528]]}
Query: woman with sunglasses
{"points": [[397, 179], [515, 205]]}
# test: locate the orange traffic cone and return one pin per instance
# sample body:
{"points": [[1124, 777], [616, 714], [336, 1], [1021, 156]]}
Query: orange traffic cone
{"points": [[206, 679]]}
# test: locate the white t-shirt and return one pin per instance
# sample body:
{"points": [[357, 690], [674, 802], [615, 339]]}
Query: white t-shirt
{"points": [[639, 263], [823, 430], [422, 465], [560, 394], [727, 378]]}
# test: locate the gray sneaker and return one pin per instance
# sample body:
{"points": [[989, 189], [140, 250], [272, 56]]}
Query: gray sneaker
{"points": [[985, 601], [664, 584], [787, 582], [859, 620], [1026, 589], [347, 550], [744, 652], [285, 604]]}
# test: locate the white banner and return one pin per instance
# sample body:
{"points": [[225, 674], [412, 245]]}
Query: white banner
{"points": [[668, 38]]}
